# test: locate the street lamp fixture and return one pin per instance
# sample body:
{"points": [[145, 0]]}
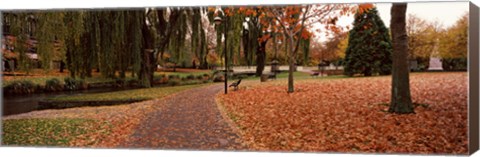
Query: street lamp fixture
{"points": [[218, 21]]}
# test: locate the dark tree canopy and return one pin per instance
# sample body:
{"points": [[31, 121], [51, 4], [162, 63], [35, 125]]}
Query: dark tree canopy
{"points": [[369, 48]]}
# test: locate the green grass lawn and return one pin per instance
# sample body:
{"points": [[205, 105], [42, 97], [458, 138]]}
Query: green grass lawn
{"points": [[299, 75], [46, 132], [180, 74], [135, 94], [296, 74]]}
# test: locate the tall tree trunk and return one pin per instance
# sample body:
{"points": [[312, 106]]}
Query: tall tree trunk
{"points": [[204, 51], [401, 101], [165, 29], [275, 46], [246, 47], [261, 56], [70, 64], [62, 66], [291, 62], [148, 60]]}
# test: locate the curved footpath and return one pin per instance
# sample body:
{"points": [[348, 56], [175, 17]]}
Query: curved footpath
{"points": [[189, 120]]}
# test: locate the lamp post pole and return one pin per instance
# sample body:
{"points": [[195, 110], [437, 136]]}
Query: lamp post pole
{"points": [[218, 20], [225, 52]]}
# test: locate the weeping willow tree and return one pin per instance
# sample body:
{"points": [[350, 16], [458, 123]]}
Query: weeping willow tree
{"points": [[176, 46], [232, 23], [157, 38], [74, 23], [100, 39], [134, 39], [120, 47], [116, 42], [198, 36], [109, 40], [49, 31], [234, 37], [17, 25], [91, 44], [48, 43]]}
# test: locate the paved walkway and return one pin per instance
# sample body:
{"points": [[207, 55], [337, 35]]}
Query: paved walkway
{"points": [[188, 120]]}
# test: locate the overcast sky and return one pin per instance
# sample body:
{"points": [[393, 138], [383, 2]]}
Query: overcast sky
{"points": [[447, 13]]}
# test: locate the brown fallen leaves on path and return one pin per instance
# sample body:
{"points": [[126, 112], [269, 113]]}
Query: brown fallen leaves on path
{"points": [[347, 115], [188, 120]]}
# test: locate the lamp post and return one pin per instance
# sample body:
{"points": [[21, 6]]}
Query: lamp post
{"points": [[218, 20], [278, 43], [275, 62]]}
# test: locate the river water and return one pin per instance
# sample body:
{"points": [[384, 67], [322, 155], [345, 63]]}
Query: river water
{"points": [[16, 104]]}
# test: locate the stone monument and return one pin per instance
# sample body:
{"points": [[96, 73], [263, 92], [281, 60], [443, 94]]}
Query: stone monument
{"points": [[435, 63]]}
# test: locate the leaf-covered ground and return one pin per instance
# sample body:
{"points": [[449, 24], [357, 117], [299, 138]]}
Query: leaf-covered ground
{"points": [[347, 115]]}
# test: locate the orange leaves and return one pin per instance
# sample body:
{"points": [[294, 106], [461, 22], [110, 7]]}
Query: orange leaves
{"points": [[365, 7], [241, 9], [211, 9], [293, 19], [229, 11], [346, 10], [293, 10], [264, 38], [345, 115], [333, 28], [212, 58], [250, 12], [306, 34]]}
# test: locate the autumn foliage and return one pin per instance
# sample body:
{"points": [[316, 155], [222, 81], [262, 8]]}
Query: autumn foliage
{"points": [[349, 115]]}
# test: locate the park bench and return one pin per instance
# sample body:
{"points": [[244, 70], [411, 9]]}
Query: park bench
{"points": [[235, 84], [315, 74], [264, 77], [272, 76]]}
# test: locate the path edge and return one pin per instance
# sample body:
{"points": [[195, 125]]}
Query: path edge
{"points": [[229, 121]]}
